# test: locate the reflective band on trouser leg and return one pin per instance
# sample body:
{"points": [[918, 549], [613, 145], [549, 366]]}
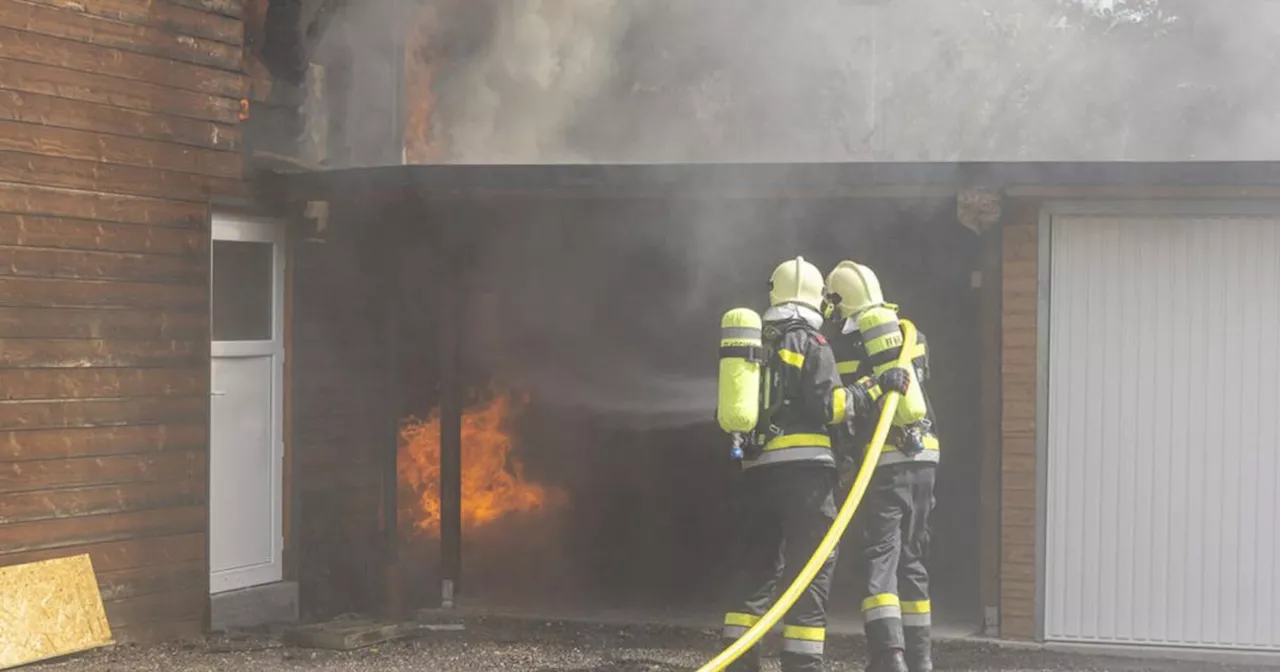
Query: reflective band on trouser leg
{"points": [[882, 623], [916, 614], [803, 640], [737, 623], [880, 607]]}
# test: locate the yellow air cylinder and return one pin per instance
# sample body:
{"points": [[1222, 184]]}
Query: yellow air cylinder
{"points": [[741, 360], [882, 338]]}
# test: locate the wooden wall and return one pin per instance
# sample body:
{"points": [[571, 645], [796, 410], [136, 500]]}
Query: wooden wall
{"points": [[1019, 292], [117, 124]]}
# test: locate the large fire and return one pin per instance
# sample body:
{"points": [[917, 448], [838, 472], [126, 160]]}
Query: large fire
{"points": [[493, 483]]}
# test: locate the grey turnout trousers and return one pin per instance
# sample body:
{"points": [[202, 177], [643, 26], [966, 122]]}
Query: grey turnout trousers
{"points": [[896, 546], [784, 512]]}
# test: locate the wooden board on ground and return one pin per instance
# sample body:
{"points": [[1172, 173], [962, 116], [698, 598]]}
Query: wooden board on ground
{"points": [[50, 609], [344, 635]]}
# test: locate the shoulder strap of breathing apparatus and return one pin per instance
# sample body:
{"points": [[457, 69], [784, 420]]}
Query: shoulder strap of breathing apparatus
{"points": [[773, 398]]}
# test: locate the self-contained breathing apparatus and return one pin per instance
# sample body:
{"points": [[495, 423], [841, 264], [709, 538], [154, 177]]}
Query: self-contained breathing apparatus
{"points": [[881, 336], [750, 394], [855, 292], [742, 360]]}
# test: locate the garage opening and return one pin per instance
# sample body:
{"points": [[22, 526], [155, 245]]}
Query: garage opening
{"points": [[594, 477]]}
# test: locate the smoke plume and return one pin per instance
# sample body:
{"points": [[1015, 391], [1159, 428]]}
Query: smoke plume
{"points": [[512, 101], [614, 307], [545, 81]]}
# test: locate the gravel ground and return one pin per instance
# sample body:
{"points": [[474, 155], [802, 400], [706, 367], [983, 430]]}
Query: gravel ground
{"points": [[536, 646]]}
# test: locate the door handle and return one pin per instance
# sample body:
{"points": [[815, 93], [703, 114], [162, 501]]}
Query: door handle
{"points": [[217, 393]]}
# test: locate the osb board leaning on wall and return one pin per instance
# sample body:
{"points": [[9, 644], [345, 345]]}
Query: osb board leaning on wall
{"points": [[49, 609]]}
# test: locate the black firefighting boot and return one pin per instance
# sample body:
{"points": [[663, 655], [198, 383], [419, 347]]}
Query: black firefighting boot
{"points": [[891, 660], [919, 652]]}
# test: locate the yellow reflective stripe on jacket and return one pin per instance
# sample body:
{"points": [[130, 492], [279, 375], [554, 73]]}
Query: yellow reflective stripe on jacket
{"points": [[839, 406], [791, 357], [799, 441], [794, 448], [805, 633], [812, 454]]}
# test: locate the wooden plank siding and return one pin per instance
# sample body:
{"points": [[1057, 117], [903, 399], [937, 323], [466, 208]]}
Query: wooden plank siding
{"points": [[1018, 296], [117, 127]]}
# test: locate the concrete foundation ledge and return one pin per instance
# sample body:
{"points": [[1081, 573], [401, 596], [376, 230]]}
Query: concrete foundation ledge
{"points": [[1266, 659], [270, 604]]}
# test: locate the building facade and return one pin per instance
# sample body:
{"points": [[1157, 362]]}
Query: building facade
{"points": [[185, 347]]}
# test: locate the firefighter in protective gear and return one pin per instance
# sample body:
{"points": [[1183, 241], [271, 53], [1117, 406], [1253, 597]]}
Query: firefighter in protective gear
{"points": [[896, 609], [789, 476]]}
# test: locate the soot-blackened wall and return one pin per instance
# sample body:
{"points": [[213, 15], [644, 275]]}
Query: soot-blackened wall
{"points": [[341, 411]]}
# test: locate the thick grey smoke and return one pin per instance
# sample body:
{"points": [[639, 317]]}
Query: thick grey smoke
{"points": [[514, 98], [840, 80], [616, 309]]}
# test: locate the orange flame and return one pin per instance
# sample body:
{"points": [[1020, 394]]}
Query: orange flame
{"points": [[493, 483], [420, 143]]}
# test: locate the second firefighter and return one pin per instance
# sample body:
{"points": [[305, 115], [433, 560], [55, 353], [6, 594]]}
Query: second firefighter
{"points": [[896, 609]]}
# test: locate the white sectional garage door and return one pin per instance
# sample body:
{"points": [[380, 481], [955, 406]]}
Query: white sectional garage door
{"points": [[1163, 438]]}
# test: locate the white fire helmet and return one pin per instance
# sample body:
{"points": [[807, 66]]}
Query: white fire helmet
{"points": [[796, 281], [853, 288]]}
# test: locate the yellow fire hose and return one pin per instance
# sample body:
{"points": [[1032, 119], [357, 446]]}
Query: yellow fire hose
{"points": [[775, 613]]}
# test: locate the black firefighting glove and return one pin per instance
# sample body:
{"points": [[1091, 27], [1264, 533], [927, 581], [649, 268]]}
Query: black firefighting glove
{"points": [[895, 380]]}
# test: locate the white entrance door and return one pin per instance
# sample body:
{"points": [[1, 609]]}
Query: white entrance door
{"points": [[246, 424]]}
